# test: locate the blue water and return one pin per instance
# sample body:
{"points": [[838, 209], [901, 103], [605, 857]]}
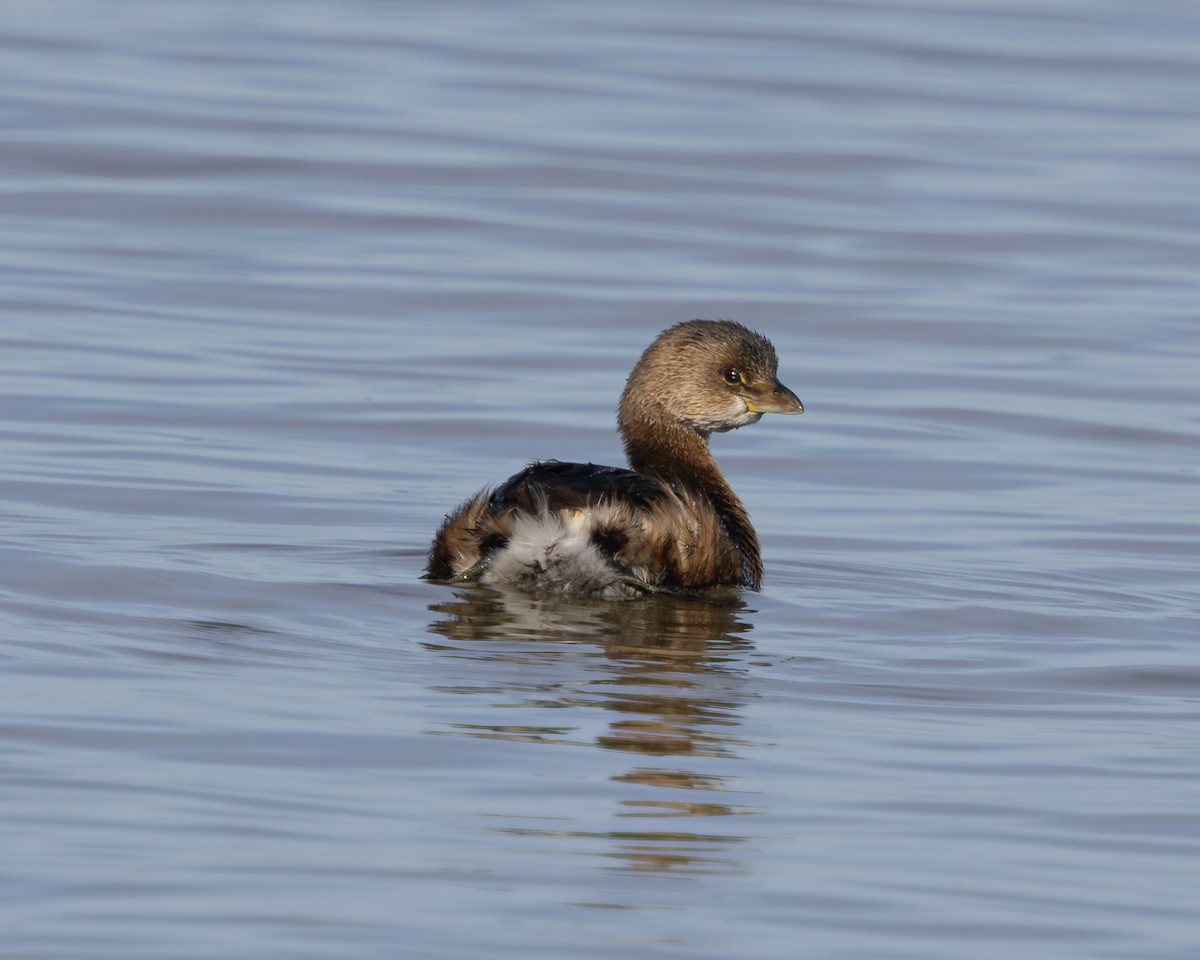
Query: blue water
{"points": [[282, 283]]}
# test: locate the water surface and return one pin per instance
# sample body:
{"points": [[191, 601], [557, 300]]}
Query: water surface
{"points": [[281, 284]]}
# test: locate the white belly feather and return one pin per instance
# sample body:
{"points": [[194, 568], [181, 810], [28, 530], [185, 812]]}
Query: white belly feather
{"points": [[555, 551]]}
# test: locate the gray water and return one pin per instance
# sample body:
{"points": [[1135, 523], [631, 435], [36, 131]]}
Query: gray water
{"points": [[281, 283]]}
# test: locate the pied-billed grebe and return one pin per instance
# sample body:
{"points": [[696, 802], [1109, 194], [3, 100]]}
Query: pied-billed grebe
{"points": [[671, 523]]}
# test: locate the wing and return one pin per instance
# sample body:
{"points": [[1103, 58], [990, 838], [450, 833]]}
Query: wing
{"points": [[553, 485]]}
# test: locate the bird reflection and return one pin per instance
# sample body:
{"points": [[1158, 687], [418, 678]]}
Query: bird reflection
{"points": [[672, 686], [659, 624]]}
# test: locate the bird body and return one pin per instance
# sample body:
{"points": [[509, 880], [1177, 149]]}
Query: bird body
{"points": [[671, 523]]}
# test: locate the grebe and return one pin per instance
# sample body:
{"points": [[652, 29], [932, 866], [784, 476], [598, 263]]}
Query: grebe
{"points": [[669, 524]]}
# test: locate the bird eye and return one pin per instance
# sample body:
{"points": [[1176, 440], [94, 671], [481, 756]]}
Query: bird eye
{"points": [[731, 375]]}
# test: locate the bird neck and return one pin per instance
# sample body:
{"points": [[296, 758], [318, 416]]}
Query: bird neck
{"points": [[659, 446]]}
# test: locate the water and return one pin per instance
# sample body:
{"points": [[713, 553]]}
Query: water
{"points": [[282, 283]]}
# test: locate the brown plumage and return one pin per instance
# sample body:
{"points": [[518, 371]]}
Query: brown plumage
{"points": [[671, 523]]}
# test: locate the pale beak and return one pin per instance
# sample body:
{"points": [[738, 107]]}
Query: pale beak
{"points": [[772, 398]]}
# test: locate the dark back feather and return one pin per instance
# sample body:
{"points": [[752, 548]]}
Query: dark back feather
{"points": [[554, 485]]}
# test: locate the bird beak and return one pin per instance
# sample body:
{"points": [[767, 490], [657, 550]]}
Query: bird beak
{"points": [[772, 398]]}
